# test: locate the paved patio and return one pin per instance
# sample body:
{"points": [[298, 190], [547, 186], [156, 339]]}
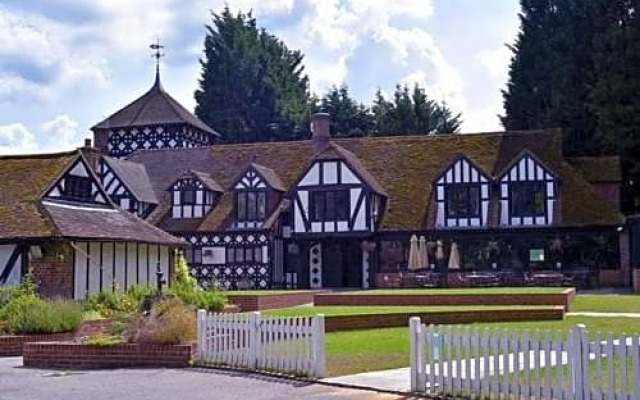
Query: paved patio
{"points": [[18, 383]]}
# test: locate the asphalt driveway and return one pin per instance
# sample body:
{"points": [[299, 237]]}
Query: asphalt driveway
{"points": [[18, 383]]}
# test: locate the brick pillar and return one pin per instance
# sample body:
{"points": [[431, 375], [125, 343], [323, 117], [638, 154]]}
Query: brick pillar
{"points": [[54, 277], [636, 280]]}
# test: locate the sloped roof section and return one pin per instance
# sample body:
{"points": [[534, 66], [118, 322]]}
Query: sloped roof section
{"points": [[206, 180], [270, 176], [155, 107], [135, 178], [598, 169], [402, 167], [105, 224], [24, 214], [24, 179]]}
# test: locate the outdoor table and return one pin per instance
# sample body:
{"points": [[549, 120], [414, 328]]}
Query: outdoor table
{"points": [[482, 279], [547, 278]]}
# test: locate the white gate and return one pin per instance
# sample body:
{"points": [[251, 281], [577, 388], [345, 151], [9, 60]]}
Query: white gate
{"points": [[293, 345], [483, 363]]}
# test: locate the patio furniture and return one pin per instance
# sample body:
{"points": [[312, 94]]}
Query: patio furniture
{"points": [[545, 278], [482, 279], [429, 279]]}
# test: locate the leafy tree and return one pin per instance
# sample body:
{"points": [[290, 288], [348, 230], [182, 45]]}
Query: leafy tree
{"points": [[252, 87], [348, 117]]}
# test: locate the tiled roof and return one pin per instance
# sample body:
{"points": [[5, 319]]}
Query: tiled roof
{"points": [[23, 213], [75, 221], [155, 107], [206, 180], [135, 177], [598, 169], [24, 179], [402, 167], [273, 180]]}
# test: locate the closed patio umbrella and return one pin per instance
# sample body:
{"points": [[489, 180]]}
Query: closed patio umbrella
{"points": [[424, 256], [454, 257], [439, 251], [414, 254]]}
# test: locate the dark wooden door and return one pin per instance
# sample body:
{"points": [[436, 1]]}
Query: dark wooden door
{"points": [[341, 265]]}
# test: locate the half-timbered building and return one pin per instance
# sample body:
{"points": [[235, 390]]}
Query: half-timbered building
{"points": [[58, 222], [339, 212]]}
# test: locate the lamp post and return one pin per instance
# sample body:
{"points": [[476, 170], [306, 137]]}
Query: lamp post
{"points": [[159, 279]]}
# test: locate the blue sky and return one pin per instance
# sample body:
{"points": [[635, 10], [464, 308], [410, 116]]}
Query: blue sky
{"points": [[66, 64]]}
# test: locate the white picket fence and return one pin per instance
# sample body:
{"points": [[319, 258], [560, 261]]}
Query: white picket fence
{"points": [[292, 345], [483, 363]]}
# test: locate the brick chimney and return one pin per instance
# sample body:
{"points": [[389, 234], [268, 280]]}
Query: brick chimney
{"points": [[91, 154], [320, 136]]}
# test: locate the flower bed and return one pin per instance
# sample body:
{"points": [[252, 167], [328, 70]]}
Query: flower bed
{"points": [[11, 345], [82, 356]]}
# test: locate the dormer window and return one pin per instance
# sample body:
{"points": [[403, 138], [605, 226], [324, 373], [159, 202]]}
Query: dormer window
{"points": [[528, 193], [462, 196], [463, 201], [329, 205], [251, 205], [528, 199], [77, 188], [193, 195]]}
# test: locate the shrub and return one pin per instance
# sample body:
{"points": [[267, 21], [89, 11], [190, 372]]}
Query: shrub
{"points": [[137, 293], [108, 304], [103, 340], [27, 287], [31, 314], [171, 321], [210, 300]]}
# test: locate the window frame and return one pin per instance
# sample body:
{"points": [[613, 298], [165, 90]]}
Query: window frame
{"points": [[468, 188], [186, 201], [253, 209], [320, 200], [517, 209], [78, 188]]}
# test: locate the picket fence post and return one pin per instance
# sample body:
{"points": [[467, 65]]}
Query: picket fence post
{"points": [[202, 334], [254, 338], [577, 369], [416, 352], [317, 334]]}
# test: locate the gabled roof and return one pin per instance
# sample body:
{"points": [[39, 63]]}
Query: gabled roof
{"points": [[205, 178], [598, 169], [135, 178], [269, 176], [403, 167], [155, 107], [24, 214]]}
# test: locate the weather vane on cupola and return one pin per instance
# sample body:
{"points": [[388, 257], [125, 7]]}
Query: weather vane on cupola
{"points": [[157, 47]]}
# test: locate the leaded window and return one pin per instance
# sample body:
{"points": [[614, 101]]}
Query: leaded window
{"points": [[463, 201], [77, 188], [251, 205], [329, 205], [187, 196], [528, 199]]}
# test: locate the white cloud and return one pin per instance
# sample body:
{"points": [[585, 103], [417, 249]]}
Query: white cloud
{"points": [[61, 133], [496, 61], [16, 139]]}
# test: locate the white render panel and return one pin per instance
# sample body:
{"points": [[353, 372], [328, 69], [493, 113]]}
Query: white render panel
{"points": [[504, 188], [298, 222], [197, 211], [107, 266], [522, 169], [261, 185], [164, 262], [55, 192], [187, 211], [532, 169], [79, 270], [143, 263], [360, 222], [79, 170], [550, 192], [457, 171], [153, 263], [539, 173], [504, 212], [474, 222], [440, 193], [485, 210], [484, 191], [330, 172], [312, 177], [515, 221], [5, 253], [121, 261], [527, 220], [514, 174], [304, 201], [449, 176], [329, 226], [440, 215], [316, 227], [176, 197], [348, 177], [466, 171], [343, 226], [265, 254], [94, 267], [124, 204], [550, 206], [354, 194], [451, 221], [199, 197], [539, 220], [132, 264], [548, 177], [176, 212], [462, 222], [474, 175]]}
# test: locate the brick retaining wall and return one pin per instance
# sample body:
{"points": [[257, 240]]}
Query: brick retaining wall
{"points": [[254, 302], [79, 356], [534, 299], [11, 345], [370, 321]]}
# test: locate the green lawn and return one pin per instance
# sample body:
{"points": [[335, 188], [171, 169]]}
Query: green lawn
{"points": [[350, 310], [432, 291], [606, 303], [377, 349]]}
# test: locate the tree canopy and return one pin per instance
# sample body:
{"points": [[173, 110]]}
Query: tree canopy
{"points": [[252, 87]]}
